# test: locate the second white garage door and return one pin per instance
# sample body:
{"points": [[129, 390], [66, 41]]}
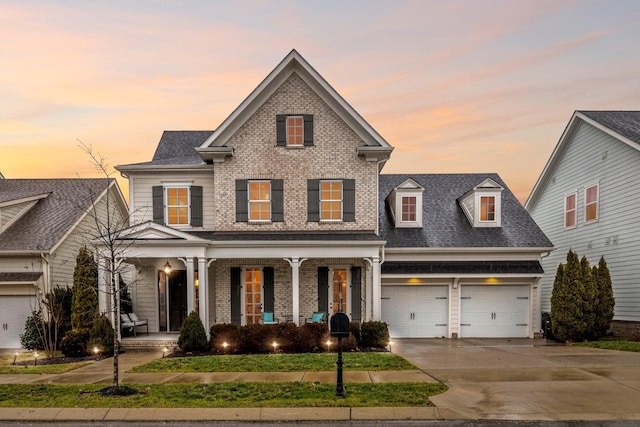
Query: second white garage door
{"points": [[494, 311], [415, 311]]}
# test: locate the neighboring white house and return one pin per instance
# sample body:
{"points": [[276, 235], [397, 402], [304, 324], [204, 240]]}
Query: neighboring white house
{"points": [[282, 209], [43, 224], [587, 199]]}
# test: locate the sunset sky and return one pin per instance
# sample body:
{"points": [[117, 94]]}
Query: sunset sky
{"points": [[454, 86]]}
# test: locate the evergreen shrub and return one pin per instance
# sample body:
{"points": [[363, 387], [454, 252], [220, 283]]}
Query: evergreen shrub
{"points": [[374, 334], [32, 338], [193, 338], [101, 335], [74, 343], [221, 333]]}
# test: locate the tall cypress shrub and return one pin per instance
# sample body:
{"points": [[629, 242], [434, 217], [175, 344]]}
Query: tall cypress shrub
{"points": [[84, 304], [567, 303], [588, 297], [604, 301]]}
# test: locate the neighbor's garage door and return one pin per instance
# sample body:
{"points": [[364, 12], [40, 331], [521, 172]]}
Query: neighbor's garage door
{"points": [[494, 311], [415, 311], [14, 311]]}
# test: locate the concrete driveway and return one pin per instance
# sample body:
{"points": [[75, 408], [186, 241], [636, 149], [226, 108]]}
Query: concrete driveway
{"points": [[528, 379]]}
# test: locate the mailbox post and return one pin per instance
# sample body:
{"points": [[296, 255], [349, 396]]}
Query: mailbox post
{"points": [[339, 328]]}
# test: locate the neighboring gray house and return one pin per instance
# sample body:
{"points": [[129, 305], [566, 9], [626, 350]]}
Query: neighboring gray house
{"points": [[587, 199], [462, 257], [43, 224]]}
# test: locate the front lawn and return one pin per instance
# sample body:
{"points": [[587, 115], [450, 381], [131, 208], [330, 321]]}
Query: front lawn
{"points": [[26, 364], [303, 362], [221, 395], [607, 344]]}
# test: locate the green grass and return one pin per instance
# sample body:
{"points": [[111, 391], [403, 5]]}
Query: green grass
{"points": [[622, 345], [304, 362], [221, 395]]}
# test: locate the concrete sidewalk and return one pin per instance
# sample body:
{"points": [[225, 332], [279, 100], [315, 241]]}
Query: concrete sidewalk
{"points": [[101, 372]]}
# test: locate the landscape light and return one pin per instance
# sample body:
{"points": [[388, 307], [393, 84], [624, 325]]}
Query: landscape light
{"points": [[35, 358], [164, 352]]}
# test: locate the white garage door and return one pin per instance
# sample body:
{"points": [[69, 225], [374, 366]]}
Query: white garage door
{"points": [[415, 311], [494, 311], [14, 311]]}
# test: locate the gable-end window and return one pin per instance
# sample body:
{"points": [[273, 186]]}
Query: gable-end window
{"points": [[177, 205], [331, 200], [408, 208], [487, 208], [570, 212], [259, 200], [591, 202], [294, 130]]}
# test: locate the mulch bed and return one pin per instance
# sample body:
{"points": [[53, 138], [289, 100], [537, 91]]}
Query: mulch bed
{"points": [[58, 360]]}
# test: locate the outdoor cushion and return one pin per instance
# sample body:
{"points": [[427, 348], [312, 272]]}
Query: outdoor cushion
{"points": [[317, 317], [267, 317], [133, 317]]}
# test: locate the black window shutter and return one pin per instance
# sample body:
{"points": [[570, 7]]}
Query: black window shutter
{"points": [[349, 200], [236, 296], [158, 204], [323, 289], [277, 200], [242, 203], [269, 297], [196, 206], [356, 294], [313, 200], [308, 130], [281, 130]]}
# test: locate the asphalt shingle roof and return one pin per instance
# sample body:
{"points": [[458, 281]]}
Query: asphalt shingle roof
{"points": [[626, 123], [177, 147], [286, 236], [462, 267], [444, 223], [52, 217]]}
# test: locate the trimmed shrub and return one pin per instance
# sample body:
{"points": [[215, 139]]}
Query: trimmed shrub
{"points": [[257, 338], [605, 302], [101, 335], [84, 302], [374, 334], [193, 338], [224, 333], [354, 329], [32, 338], [74, 343], [314, 334]]}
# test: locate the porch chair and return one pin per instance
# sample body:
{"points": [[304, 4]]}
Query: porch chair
{"points": [[268, 319], [131, 320], [317, 317]]}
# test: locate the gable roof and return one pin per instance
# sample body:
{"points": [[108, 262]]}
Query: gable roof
{"points": [[445, 224], [295, 63], [622, 125], [53, 216]]}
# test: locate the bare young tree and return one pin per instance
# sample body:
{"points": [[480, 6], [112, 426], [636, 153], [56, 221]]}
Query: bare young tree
{"points": [[110, 250]]}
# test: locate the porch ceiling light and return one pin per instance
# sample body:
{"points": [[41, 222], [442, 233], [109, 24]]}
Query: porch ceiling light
{"points": [[167, 267]]}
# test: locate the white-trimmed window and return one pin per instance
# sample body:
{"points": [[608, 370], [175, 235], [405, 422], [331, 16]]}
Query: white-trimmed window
{"points": [[409, 208], [591, 203], [177, 205], [259, 200], [295, 130], [331, 200], [570, 211], [487, 208]]}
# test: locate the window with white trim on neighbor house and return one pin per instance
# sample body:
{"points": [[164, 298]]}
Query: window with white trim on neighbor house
{"points": [[591, 201], [570, 211], [259, 200], [330, 200]]}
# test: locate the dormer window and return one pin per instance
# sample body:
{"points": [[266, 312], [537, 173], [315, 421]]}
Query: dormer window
{"points": [[482, 204], [405, 202], [294, 130]]}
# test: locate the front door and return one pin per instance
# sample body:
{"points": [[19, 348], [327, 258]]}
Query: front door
{"points": [[338, 291], [253, 296], [177, 299]]}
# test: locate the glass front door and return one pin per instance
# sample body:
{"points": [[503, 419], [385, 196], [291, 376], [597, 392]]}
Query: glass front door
{"points": [[252, 296], [338, 292]]}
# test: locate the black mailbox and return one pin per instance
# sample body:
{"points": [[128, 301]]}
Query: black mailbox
{"points": [[339, 325]]}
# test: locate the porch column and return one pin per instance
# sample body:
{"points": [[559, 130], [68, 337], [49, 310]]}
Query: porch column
{"points": [[295, 287], [191, 289], [103, 289], [203, 293], [376, 289], [368, 291]]}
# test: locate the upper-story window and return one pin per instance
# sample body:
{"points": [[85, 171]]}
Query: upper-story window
{"points": [[487, 208], [405, 203], [408, 208], [591, 202], [331, 200], [570, 212], [294, 130], [177, 204], [259, 200]]}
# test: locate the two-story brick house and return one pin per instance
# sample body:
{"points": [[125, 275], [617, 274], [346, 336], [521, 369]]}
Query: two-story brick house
{"points": [[280, 210]]}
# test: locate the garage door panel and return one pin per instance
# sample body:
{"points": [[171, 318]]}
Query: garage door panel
{"points": [[415, 311], [494, 311], [13, 316]]}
